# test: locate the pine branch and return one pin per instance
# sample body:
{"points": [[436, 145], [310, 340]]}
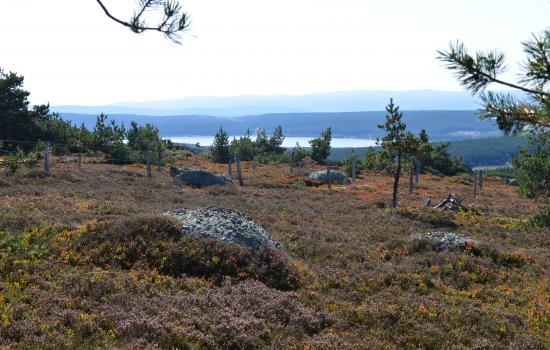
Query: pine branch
{"points": [[537, 66], [513, 115], [174, 22], [476, 73]]}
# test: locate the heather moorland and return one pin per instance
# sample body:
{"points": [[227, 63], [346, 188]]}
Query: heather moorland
{"points": [[87, 260]]}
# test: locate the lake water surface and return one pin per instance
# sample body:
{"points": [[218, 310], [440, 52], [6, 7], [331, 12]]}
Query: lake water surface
{"points": [[288, 142]]}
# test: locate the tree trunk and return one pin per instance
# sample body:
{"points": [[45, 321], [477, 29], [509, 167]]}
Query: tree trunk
{"points": [[353, 167], [396, 180], [411, 176]]}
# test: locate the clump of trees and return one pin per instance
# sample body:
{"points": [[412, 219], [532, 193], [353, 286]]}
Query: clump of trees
{"points": [[433, 158], [263, 148], [122, 145], [19, 122], [268, 149], [25, 131], [400, 148], [530, 115]]}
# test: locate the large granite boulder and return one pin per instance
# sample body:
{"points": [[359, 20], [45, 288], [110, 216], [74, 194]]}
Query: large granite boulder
{"points": [[198, 177], [446, 241], [336, 177], [223, 224]]}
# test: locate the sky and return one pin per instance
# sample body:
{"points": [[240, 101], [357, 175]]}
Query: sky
{"points": [[71, 53]]}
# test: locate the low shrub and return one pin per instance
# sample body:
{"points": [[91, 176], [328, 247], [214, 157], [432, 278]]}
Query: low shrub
{"points": [[272, 158], [14, 160], [497, 256], [433, 217], [312, 183], [540, 220], [30, 245], [378, 205], [222, 191], [155, 242], [272, 185]]}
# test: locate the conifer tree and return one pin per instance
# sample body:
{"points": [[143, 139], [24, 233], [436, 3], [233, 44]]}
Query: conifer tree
{"points": [[276, 140], [320, 147], [398, 142], [219, 151]]}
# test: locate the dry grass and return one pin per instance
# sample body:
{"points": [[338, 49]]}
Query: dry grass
{"points": [[363, 282]]}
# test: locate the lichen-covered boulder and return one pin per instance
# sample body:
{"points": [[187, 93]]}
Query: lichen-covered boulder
{"points": [[446, 241], [336, 177], [198, 177], [223, 224]]}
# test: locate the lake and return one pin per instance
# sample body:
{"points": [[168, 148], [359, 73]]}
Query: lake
{"points": [[288, 142]]}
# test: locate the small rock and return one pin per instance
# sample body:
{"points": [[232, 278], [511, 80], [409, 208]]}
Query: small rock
{"points": [[198, 177], [223, 224], [335, 176], [65, 159], [446, 241], [513, 182]]}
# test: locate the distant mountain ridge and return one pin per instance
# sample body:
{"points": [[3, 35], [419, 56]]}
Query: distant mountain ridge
{"points": [[440, 125], [234, 106]]}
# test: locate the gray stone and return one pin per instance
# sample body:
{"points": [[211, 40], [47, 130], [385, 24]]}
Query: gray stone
{"points": [[223, 224], [513, 182], [446, 241], [336, 177], [198, 177], [65, 159]]}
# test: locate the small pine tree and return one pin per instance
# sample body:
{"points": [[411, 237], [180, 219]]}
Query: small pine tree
{"points": [[369, 162], [219, 151], [398, 142], [320, 147], [298, 153], [262, 142], [276, 141]]}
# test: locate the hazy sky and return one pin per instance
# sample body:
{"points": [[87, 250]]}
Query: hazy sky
{"points": [[70, 53]]}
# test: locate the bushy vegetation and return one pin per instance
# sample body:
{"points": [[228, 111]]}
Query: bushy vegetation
{"points": [[532, 170], [156, 243]]}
